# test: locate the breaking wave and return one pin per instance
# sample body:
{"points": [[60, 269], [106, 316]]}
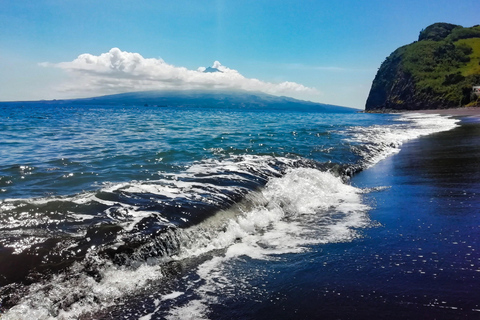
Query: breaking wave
{"points": [[94, 249]]}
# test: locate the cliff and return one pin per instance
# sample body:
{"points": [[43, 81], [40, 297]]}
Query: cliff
{"points": [[435, 72]]}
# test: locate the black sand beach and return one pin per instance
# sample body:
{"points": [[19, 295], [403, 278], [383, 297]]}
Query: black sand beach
{"points": [[427, 247]]}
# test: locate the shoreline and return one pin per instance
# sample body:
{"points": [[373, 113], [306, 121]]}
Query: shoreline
{"points": [[454, 112], [429, 217], [472, 111]]}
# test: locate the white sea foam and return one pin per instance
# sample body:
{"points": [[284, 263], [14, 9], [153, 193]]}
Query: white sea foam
{"points": [[303, 208], [292, 212], [378, 142], [69, 297]]}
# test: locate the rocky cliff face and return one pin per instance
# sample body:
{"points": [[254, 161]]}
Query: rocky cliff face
{"points": [[435, 72]]}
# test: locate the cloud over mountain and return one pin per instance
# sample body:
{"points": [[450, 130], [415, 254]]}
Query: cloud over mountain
{"points": [[120, 71]]}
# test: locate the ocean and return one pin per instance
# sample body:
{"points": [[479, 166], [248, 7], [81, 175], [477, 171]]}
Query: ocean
{"points": [[145, 212]]}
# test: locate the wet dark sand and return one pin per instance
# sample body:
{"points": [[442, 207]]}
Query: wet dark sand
{"points": [[429, 240]]}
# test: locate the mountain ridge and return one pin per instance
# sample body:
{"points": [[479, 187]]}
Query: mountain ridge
{"points": [[192, 98]]}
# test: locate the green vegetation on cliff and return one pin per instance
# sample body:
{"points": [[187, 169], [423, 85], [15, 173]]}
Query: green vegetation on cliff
{"points": [[437, 71]]}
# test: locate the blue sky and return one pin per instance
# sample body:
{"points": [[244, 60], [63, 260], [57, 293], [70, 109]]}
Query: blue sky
{"points": [[325, 51]]}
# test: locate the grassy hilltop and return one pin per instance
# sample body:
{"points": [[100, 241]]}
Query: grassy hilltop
{"points": [[435, 72]]}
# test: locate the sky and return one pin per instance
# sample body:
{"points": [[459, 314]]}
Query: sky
{"points": [[323, 51]]}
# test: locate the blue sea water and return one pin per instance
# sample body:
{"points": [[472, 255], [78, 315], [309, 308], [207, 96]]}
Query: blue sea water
{"points": [[110, 212]]}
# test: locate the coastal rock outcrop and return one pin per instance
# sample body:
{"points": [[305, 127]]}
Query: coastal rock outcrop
{"points": [[436, 72]]}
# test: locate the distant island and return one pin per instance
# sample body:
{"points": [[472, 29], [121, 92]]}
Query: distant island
{"points": [[439, 71], [194, 98]]}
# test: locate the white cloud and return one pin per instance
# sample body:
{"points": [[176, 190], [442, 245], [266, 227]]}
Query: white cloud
{"points": [[119, 71]]}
